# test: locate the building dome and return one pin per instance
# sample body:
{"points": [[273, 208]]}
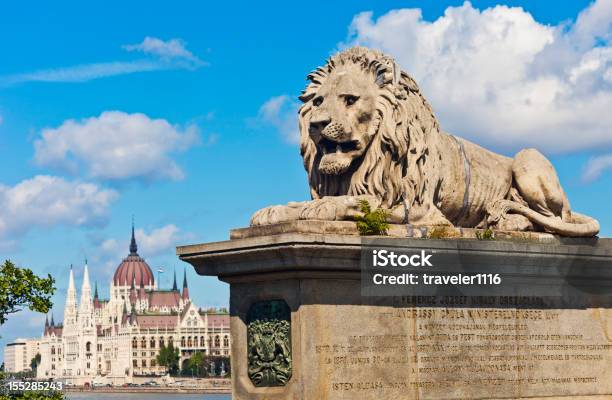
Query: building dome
{"points": [[133, 267]]}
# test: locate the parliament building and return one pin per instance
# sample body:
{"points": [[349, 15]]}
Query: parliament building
{"points": [[118, 338]]}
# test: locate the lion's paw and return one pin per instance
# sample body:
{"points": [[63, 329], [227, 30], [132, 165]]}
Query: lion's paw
{"points": [[327, 209], [334, 208], [274, 215]]}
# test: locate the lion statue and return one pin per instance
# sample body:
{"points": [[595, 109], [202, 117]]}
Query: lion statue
{"points": [[367, 133]]}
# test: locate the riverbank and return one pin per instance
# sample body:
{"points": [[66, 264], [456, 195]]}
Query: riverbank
{"points": [[187, 386]]}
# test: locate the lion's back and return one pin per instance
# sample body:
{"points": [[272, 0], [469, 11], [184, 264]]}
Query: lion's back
{"points": [[490, 179]]}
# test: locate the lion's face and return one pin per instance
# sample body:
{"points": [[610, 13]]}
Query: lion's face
{"points": [[343, 119]]}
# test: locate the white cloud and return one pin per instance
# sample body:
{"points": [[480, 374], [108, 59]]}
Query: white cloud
{"points": [[83, 73], [171, 54], [501, 78], [116, 146], [596, 166], [281, 113], [159, 240], [47, 201], [171, 49]]}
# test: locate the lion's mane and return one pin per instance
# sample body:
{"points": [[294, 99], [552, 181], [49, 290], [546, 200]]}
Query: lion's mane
{"points": [[393, 166]]}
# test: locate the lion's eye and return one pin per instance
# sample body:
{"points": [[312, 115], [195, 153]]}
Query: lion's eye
{"points": [[317, 101], [350, 100]]}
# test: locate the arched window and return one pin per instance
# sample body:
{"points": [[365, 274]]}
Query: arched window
{"points": [[143, 343], [161, 341], [202, 341], [152, 343], [189, 342], [170, 340], [52, 349], [88, 347], [182, 341], [217, 341], [225, 341], [134, 343]]}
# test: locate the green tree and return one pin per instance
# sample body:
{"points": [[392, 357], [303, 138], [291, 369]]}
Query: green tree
{"points": [[169, 357], [35, 362], [20, 287], [193, 365]]}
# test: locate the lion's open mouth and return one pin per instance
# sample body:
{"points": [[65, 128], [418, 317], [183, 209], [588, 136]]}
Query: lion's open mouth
{"points": [[337, 156], [330, 146]]}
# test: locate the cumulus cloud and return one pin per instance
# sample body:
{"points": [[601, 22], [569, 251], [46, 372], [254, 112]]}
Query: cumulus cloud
{"points": [[280, 112], [116, 146], [502, 78], [47, 201], [171, 49], [163, 55]]}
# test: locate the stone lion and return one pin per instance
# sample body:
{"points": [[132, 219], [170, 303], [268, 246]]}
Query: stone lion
{"points": [[367, 133]]}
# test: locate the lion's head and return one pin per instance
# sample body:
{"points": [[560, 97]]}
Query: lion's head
{"points": [[364, 128]]}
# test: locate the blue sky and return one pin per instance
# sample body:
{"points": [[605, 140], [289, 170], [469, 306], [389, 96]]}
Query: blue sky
{"points": [[197, 102]]}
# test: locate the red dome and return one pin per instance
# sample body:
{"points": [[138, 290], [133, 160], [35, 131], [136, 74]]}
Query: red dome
{"points": [[133, 267]]}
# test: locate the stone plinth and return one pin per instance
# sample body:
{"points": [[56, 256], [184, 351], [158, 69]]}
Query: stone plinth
{"points": [[301, 328]]}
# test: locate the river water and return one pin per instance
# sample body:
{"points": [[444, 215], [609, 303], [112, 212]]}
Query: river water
{"points": [[146, 396]]}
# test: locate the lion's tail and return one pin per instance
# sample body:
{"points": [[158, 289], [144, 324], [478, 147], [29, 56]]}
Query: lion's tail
{"points": [[579, 225]]}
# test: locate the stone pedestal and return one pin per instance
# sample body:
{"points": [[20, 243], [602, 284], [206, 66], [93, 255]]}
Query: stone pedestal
{"points": [[301, 328]]}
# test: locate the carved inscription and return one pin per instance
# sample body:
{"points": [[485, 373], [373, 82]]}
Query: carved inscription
{"points": [[467, 350]]}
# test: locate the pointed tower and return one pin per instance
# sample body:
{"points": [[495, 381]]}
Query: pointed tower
{"points": [[133, 246], [46, 325], [96, 300], [86, 304], [86, 311], [70, 308], [133, 295], [174, 286], [185, 288]]}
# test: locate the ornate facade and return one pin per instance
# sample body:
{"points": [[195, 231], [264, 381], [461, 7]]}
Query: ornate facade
{"points": [[119, 338]]}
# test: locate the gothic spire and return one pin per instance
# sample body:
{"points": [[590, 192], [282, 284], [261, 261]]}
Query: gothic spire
{"points": [[52, 321], [174, 286], [70, 307], [133, 246], [185, 288], [96, 291]]}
